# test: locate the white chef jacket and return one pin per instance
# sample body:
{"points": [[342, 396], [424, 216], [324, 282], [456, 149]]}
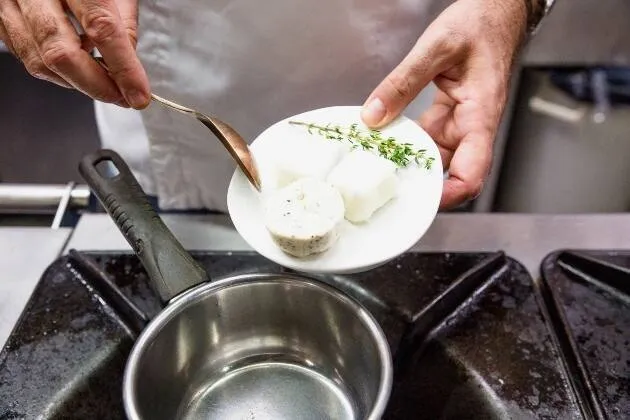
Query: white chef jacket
{"points": [[250, 63]]}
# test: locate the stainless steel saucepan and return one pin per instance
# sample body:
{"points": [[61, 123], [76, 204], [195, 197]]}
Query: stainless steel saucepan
{"points": [[264, 346]]}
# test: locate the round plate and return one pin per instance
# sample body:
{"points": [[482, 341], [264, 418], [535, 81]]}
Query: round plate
{"points": [[391, 231]]}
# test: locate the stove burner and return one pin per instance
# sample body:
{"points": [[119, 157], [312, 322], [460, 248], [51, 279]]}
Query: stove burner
{"points": [[588, 296], [473, 336]]}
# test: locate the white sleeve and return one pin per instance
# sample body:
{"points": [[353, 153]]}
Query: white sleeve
{"points": [[123, 131]]}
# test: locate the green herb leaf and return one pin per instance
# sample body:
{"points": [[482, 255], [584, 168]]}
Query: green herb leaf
{"points": [[399, 153]]}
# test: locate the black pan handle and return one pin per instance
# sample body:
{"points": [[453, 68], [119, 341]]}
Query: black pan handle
{"points": [[171, 269]]}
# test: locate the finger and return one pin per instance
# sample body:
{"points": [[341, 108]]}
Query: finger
{"points": [[87, 44], [435, 52], [104, 25], [60, 50], [435, 121], [22, 44], [469, 167], [4, 37], [128, 10]]}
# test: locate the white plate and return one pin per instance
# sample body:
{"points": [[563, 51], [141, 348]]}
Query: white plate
{"points": [[391, 231]]}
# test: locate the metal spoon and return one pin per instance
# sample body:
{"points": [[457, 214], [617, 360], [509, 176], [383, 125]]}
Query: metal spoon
{"points": [[230, 139]]}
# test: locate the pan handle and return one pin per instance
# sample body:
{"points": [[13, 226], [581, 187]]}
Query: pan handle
{"points": [[170, 268]]}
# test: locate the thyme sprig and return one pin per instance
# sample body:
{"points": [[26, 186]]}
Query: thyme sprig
{"points": [[399, 153]]}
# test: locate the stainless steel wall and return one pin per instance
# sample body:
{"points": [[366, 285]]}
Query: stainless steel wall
{"points": [[583, 32], [559, 158]]}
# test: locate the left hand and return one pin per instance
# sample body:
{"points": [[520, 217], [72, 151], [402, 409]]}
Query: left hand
{"points": [[468, 52], [40, 34]]}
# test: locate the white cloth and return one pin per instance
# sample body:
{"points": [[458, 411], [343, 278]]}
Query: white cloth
{"points": [[250, 63]]}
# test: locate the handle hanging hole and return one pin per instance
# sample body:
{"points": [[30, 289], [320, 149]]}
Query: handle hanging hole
{"points": [[107, 169]]}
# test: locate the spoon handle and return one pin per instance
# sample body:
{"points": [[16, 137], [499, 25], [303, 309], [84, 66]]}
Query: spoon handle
{"points": [[173, 105], [231, 140]]}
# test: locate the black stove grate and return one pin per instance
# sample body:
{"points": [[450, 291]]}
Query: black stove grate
{"points": [[473, 336], [588, 294]]}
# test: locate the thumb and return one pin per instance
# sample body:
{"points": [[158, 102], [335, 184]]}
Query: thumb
{"points": [[430, 56]]}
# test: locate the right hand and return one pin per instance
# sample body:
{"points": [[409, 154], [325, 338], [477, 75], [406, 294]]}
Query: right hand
{"points": [[41, 35]]}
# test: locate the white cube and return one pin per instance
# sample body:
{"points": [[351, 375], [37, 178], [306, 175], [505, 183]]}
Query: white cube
{"points": [[306, 157], [366, 182]]}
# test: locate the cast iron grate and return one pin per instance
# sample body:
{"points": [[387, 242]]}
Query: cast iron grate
{"points": [[588, 296], [467, 331]]}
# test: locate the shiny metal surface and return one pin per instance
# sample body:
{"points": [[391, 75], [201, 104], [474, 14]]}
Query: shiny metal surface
{"points": [[526, 237], [564, 156], [260, 390], [231, 140], [41, 199], [582, 32], [260, 347], [25, 254]]}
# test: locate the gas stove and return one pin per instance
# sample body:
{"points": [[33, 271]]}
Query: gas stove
{"points": [[473, 336]]}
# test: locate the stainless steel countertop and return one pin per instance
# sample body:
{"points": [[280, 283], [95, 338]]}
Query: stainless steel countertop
{"points": [[26, 252], [24, 255], [528, 238]]}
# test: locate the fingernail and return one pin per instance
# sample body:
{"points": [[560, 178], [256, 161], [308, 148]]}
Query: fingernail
{"points": [[137, 99], [374, 112]]}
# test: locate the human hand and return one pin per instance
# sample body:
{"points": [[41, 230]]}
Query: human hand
{"points": [[468, 52], [42, 36]]}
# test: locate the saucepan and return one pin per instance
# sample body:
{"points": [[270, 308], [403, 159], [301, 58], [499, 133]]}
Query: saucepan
{"points": [[262, 346]]}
